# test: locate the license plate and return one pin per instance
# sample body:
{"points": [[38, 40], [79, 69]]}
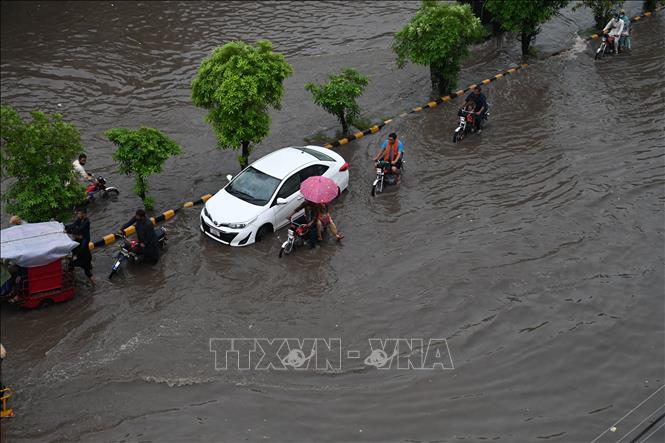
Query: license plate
{"points": [[214, 231]]}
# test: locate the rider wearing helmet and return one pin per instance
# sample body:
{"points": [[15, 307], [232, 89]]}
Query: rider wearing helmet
{"points": [[614, 28], [625, 35]]}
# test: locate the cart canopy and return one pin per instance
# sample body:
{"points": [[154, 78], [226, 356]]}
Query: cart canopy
{"points": [[35, 244]]}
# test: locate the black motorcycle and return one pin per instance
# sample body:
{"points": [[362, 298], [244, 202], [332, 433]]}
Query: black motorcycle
{"points": [[131, 250], [385, 176]]}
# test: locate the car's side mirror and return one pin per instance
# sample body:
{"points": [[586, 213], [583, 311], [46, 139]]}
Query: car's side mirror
{"points": [[229, 177], [281, 201]]}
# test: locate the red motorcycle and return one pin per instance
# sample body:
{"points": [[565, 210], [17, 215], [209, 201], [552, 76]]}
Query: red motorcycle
{"points": [[131, 250], [99, 187], [606, 46], [297, 235]]}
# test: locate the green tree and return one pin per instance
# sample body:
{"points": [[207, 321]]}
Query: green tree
{"points": [[438, 36], [38, 154], [651, 5], [142, 152], [524, 17], [602, 10], [237, 84], [339, 95]]}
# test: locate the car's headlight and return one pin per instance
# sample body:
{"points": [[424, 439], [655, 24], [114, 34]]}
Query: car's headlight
{"points": [[206, 213], [234, 225]]}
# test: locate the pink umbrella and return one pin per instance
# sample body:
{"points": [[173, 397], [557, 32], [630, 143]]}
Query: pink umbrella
{"points": [[319, 189]]}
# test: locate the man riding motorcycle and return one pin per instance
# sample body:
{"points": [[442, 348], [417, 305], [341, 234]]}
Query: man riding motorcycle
{"points": [[480, 109], [614, 29], [393, 152], [145, 231]]}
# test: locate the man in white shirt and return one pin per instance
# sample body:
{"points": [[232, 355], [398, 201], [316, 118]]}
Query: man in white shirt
{"points": [[80, 170], [614, 29]]}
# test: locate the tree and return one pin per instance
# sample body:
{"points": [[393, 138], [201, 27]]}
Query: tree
{"points": [[237, 84], [438, 36], [142, 152], [38, 155], [602, 10], [338, 96], [524, 17], [480, 11]]}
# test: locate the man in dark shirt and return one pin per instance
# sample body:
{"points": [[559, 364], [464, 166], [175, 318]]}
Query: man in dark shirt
{"points": [[145, 232], [80, 230], [480, 100]]}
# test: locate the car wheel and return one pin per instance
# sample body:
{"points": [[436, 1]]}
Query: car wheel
{"points": [[262, 232]]}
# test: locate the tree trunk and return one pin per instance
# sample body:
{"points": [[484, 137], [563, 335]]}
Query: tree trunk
{"points": [[649, 5], [526, 42], [440, 86], [244, 157], [480, 11], [345, 124], [141, 187]]}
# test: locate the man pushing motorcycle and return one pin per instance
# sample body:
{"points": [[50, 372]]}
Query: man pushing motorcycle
{"points": [[145, 231], [392, 151]]}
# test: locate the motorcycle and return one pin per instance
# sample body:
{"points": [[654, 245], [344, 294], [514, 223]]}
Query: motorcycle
{"points": [[297, 235], [466, 124], [130, 250], [99, 187], [384, 176], [606, 45]]}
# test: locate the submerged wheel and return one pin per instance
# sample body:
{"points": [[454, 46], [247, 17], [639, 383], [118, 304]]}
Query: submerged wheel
{"points": [[373, 190], [455, 137], [262, 232], [286, 250], [47, 302]]}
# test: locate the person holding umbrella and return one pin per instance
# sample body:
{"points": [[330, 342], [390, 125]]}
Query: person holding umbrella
{"points": [[318, 192]]}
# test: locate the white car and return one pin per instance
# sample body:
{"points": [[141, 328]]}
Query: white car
{"points": [[261, 198]]}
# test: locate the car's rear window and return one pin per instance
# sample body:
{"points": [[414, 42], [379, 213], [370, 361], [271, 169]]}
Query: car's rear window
{"points": [[318, 155]]}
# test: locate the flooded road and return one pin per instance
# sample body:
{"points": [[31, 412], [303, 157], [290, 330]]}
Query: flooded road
{"points": [[536, 249]]}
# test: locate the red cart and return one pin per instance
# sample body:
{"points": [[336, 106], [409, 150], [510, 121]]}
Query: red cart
{"points": [[41, 254]]}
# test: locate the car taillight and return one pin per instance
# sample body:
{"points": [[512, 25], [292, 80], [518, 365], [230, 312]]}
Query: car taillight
{"points": [[344, 167]]}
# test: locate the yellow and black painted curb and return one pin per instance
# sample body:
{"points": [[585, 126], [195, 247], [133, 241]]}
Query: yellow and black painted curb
{"points": [[446, 98], [110, 238], [167, 215]]}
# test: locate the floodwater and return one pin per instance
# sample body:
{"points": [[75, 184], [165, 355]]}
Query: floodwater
{"points": [[536, 248]]}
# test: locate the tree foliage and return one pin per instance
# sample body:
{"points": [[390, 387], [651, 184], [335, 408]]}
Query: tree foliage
{"points": [[237, 84], [524, 17], [339, 95], [142, 152], [439, 36], [38, 154], [602, 10]]}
